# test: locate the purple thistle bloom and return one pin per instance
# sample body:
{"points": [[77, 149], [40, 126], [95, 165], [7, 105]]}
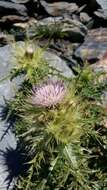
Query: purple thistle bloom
{"points": [[48, 94]]}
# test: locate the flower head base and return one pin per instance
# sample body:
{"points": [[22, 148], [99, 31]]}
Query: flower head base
{"points": [[48, 94]]}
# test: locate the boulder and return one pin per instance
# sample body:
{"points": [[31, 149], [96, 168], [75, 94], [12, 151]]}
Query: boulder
{"points": [[94, 46], [11, 19], [59, 64], [7, 138], [59, 8], [103, 4], [9, 8], [85, 18]]}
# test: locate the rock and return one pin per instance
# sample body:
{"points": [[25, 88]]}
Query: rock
{"points": [[101, 14], [59, 8], [8, 8], [101, 66], [10, 19], [94, 46], [7, 87], [3, 39], [21, 25], [104, 100], [84, 17], [25, 25], [103, 4], [20, 1], [10, 142], [91, 5], [5, 61], [86, 20], [7, 139], [74, 29], [49, 20], [63, 47], [59, 64]]}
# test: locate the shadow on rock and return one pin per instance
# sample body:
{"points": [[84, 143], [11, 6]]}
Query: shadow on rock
{"points": [[8, 119], [15, 163]]}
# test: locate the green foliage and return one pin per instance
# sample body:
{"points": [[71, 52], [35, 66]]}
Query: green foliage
{"points": [[30, 61], [51, 31], [67, 143], [88, 83]]}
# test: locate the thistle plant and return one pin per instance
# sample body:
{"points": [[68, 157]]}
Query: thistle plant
{"points": [[30, 61], [60, 124]]}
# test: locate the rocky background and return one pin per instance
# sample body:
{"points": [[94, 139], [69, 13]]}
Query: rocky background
{"points": [[85, 24], [83, 21]]}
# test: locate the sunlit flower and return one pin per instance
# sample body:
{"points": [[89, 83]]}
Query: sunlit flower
{"points": [[48, 94]]}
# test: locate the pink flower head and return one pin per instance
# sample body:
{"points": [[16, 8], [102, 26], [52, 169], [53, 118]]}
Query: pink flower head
{"points": [[48, 94]]}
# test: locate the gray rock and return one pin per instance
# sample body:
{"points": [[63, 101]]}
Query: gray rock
{"points": [[102, 13], [8, 90], [104, 100], [20, 1], [103, 4], [94, 46], [84, 17], [59, 8], [5, 60], [59, 64], [101, 66], [8, 8], [75, 30], [8, 141], [3, 38], [50, 20], [11, 19]]}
